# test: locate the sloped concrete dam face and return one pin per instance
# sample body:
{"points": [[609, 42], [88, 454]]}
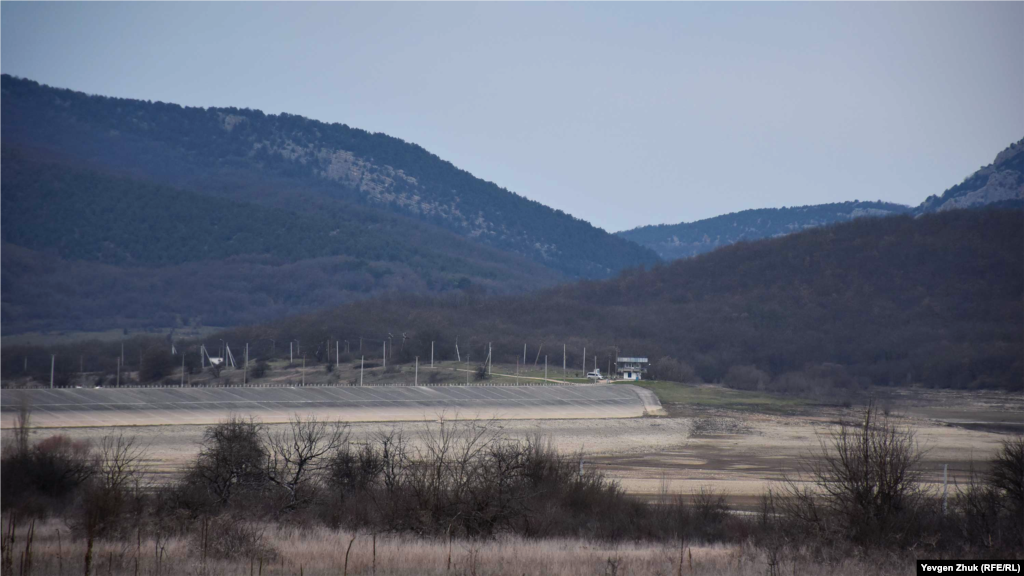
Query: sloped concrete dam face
{"points": [[174, 406]]}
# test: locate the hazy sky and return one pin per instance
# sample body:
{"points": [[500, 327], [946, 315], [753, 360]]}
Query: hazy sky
{"points": [[621, 114]]}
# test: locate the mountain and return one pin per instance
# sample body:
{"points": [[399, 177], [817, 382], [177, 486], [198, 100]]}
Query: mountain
{"points": [[1000, 183], [87, 250], [688, 239], [936, 300], [301, 165]]}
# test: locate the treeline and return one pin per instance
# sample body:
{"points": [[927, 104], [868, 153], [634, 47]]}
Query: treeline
{"points": [[249, 156], [935, 300], [864, 496]]}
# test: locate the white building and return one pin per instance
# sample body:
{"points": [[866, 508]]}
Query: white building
{"points": [[630, 368]]}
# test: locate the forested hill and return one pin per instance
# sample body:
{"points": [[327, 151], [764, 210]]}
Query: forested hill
{"points": [[302, 165], [688, 239], [87, 250], [1000, 184], [937, 300]]}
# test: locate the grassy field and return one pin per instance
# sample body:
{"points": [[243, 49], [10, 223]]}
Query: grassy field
{"points": [[714, 396], [294, 551]]}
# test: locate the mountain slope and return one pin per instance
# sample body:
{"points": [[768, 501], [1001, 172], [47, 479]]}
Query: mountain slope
{"points": [[688, 239], [304, 165], [1001, 183], [937, 300], [88, 250]]}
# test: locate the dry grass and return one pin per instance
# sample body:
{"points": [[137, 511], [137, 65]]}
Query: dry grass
{"points": [[321, 552]]}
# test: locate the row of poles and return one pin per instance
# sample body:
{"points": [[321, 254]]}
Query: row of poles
{"points": [[228, 358]]}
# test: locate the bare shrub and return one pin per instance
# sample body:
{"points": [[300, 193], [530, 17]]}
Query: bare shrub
{"points": [[1007, 474], [480, 373], [259, 369], [156, 363], [45, 477], [231, 461], [668, 368], [868, 478], [746, 378], [1007, 480], [231, 536]]}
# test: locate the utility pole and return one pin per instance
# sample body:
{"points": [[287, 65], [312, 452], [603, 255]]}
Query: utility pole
{"points": [[489, 361], [416, 378], [584, 360], [524, 353], [361, 360], [431, 353], [545, 366], [385, 354], [53, 361], [291, 352], [458, 357], [563, 360]]}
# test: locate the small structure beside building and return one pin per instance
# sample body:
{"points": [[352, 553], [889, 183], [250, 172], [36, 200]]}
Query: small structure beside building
{"points": [[630, 368]]}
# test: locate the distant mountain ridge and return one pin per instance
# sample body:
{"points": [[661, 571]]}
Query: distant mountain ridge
{"points": [[999, 184], [303, 165], [673, 241]]}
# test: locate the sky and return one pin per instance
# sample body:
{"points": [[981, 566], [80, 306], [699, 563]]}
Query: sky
{"points": [[622, 114]]}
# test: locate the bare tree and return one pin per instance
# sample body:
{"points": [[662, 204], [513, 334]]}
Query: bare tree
{"points": [[297, 455], [120, 460], [117, 483]]}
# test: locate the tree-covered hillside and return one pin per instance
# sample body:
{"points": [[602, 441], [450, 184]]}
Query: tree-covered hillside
{"points": [[937, 300], [302, 164], [688, 239], [90, 250]]}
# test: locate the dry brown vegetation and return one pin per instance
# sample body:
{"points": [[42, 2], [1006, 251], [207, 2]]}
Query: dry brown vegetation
{"points": [[322, 551], [464, 499]]}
